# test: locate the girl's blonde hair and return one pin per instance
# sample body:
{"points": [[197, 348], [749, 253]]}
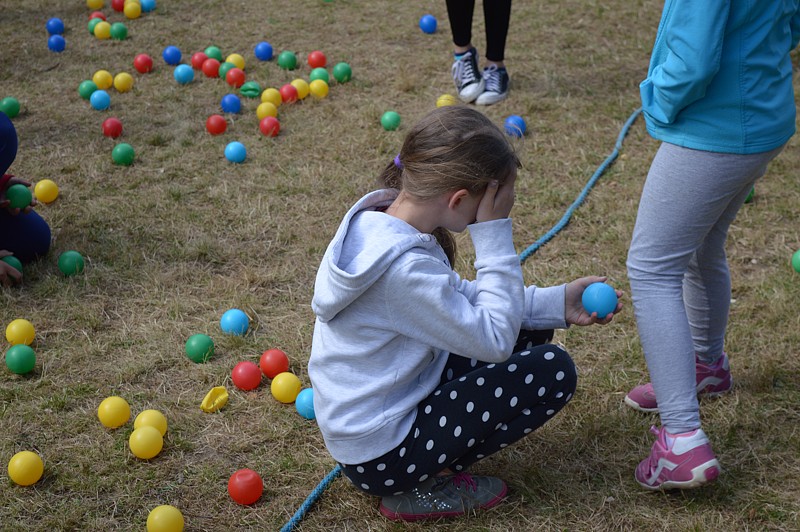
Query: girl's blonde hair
{"points": [[451, 148]]}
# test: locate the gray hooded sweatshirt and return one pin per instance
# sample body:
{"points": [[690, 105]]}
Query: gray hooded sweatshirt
{"points": [[390, 310]]}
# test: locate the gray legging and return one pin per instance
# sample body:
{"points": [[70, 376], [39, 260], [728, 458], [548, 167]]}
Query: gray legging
{"points": [[678, 271]]}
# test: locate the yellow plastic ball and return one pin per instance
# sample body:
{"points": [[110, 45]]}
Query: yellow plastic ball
{"points": [[318, 88], [285, 387], [236, 59], [132, 10], [151, 418], [446, 99], [126, 2], [302, 87], [266, 109], [113, 412], [123, 82], [95, 4], [46, 191], [146, 442], [165, 518], [272, 96], [102, 30], [103, 79], [25, 468], [20, 331]]}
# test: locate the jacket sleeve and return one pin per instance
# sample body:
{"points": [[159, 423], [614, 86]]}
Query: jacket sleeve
{"points": [[692, 36]]}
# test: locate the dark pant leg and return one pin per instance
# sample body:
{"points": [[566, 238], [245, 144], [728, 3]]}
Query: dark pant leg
{"points": [[497, 14], [27, 236], [459, 12]]}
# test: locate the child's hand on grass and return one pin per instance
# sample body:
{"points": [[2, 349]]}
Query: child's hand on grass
{"points": [[574, 313], [5, 202], [8, 274]]}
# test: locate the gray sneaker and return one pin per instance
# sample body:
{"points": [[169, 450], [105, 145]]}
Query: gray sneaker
{"points": [[497, 82], [446, 496], [466, 76]]}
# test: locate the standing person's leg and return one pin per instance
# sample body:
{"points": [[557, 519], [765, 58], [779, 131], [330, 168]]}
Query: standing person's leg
{"points": [[497, 15], [466, 74]]}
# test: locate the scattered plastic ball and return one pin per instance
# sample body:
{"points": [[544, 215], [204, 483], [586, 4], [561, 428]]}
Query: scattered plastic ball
{"points": [[93, 22], [146, 442], [151, 418], [302, 88], [273, 96], [70, 263], [319, 73], [198, 58], [446, 99], [427, 23], [21, 359], [132, 10], [235, 77], [288, 93], [123, 154], [214, 52], [9, 106], [285, 387], [143, 63], [237, 60], [118, 5], [245, 486], [199, 348], [263, 51], [55, 26], [317, 59], [235, 152], [148, 5], [215, 399], [95, 4], [234, 321], [103, 79], [119, 31], [112, 127], [750, 195], [246, 376], [100, 100], [515, 126], [269, 125], [216, 124], [796, 261], [46, 191], [223, 69], [231, 103], [19, 196], [20, 332], [287, 60], [97, 14], [123, 82], [165, 518], [390, 120], [211, 68], [172, 55], [13, 261], [113, 412], [183, 74], [273, 362], [266, 109], [600, 298], [56, 43], [305, 403], [318, 88], [87, 88], [102, 30], [25, 468], [342, 72]]}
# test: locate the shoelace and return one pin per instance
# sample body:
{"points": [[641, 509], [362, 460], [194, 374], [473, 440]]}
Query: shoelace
{"points": [[652, 461], [492, 77], [465, 479], [463, 70]]}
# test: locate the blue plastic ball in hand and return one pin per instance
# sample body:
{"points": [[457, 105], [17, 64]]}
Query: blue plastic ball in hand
{"points": [[515, 126], [171, 55], [56, 43], [235, 152], [55, 26], [231, 103], [428, 24], [100, 100], [600, 298], [234, 321], [305, 403], [263, 51], [184, 74]]}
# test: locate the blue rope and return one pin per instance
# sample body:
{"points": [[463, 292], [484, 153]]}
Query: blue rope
{"points": [[585, 192], [330, 477]]}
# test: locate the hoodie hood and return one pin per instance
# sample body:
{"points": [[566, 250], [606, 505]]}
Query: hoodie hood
{"points": [[366, 244]]}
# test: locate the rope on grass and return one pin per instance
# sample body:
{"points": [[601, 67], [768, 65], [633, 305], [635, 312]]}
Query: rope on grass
{"points": [[585, 192], [330, 477]]}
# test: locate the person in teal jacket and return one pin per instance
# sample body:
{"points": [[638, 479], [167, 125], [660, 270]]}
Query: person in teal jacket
{"points": [[719, 96]]}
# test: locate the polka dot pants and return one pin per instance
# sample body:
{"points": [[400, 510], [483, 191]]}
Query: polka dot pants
{"points": [[477, 410]]}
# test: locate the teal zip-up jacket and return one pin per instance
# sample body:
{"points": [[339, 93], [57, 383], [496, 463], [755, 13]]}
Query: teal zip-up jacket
{"points": [[720, 76]]}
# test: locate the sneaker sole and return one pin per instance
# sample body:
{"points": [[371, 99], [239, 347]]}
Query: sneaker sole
{"points": [[490, 101], [399, 516], [636, 406], [470, 93], [701, 475], [708, 395]]}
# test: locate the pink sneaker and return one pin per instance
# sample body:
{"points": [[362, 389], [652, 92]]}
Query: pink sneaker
{"points": [[712, 380], [688, 463]]}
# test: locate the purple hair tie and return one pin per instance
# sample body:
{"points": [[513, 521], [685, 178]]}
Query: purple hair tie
{"points": [[397, 161]]}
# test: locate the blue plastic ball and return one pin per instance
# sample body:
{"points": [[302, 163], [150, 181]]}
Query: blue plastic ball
{"points": [[231, 103], [234, 321], [172, 55], [100, 100], [600, 298], [147, 5], [55, 26], [235, 152], [305, 403], [515, 126], [263, 51], [56, 43], [428, 24], [183, 74]]}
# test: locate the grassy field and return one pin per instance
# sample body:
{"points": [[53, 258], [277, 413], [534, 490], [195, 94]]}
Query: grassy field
{"points": [[182, 235]]}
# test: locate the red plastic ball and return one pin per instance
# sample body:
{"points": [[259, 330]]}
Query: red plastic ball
{"points": [[97, 14], [245, 486], [246, 376], [198, 59], [317, 59], [143, 63], [211, 68], [270, 126], [216, 124], [288, 93], [235, 77], [112, 127], [273, 361], [118, 5]]}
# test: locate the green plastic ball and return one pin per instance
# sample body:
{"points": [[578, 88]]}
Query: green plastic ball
{"points": [[19, 196], [70, 263], [224, 67], [14, 262], [20, 359], [342, 72], [796, 261], [390, 120], [10, 106], [751, 195], [214, 52], [251, 89], [123, 154], [119, 31], [199, 348], [87, 88], [92, 23], [287, 60]]}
